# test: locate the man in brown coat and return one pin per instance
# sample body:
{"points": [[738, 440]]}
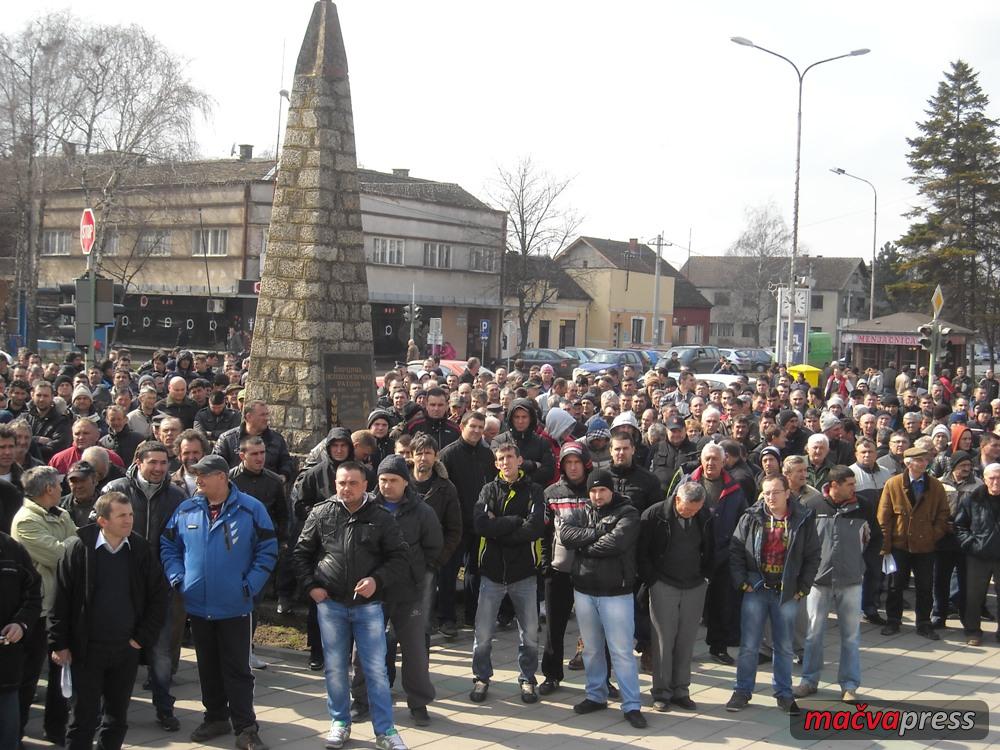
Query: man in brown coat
{"points": [[913, 513]]}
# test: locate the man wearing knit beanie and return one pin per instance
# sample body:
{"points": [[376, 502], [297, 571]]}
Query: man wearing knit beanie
{"points": [[403, 603]]}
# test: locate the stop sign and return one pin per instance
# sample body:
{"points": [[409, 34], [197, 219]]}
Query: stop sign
{"points": [[88, 231]]}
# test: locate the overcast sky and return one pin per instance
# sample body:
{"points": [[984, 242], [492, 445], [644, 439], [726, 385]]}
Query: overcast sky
{"points": [[662, 123]]}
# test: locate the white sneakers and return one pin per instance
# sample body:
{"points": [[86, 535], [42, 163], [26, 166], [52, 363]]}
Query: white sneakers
{"points": [[337, 736], [256, 663]]}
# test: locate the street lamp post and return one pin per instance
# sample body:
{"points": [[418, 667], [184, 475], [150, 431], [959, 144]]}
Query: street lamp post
{"points": [[838, 170], [790, 298]]}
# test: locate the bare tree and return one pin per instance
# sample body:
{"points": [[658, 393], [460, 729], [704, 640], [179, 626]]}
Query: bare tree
{"points": [[761, 249], [539, 227], [84, 114]]}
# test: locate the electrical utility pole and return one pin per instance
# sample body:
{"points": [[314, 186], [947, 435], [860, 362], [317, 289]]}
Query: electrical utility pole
{"points": [[657, 343]]}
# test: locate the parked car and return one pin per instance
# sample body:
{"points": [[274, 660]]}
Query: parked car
{"points": [[749, 360], [696, 358], [584, 354], [617, 358], [562, 361]]}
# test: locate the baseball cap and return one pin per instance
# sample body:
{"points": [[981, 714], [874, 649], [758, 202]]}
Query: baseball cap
{"points": [[209, 465], [81, 469]]}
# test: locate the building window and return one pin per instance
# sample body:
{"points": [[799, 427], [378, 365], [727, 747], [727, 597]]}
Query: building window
{"points": [[212, 242], [723, 330], [110, 244], [638, 324], [722, 298], [749, 299], [437, 255], [817, 302], [483, 259], [156, 243], [387, 250], [748, 330], [55, 242]]}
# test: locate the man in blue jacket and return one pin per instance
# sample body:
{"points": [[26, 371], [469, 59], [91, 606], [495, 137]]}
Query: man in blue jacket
{"points": [[218, 551]]}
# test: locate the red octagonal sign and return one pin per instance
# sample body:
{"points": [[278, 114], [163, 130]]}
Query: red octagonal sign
{"points": [[88, 231]]}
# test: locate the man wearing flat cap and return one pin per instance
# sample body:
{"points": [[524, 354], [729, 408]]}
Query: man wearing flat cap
{"points": [[218, 550], [913, 514]]}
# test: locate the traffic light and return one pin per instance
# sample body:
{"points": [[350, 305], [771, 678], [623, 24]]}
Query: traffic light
{"points": [[411, 313], [942, 351], [74, 306], [926, 333]]}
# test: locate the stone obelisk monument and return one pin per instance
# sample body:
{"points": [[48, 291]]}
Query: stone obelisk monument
{"points": [[311, 359]]}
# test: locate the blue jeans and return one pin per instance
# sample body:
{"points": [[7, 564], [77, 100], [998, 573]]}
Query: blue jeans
{"points": [[524, 595], [161, 663], [10, 718], [847, 602], [365, 624], [610, 620], [758, 607]]}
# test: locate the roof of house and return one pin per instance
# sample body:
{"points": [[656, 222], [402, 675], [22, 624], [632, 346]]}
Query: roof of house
{"points": [[901, 322], [708, 271], [65, 174], [642, 259], [547, 268]]}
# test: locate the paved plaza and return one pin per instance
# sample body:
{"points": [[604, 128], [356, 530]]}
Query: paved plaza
{"points": [[291, 701]]}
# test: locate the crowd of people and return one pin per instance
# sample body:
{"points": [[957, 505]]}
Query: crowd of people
{"points": [[136, 501]]}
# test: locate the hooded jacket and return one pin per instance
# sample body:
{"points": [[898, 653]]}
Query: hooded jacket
{"points": [[385, 445], [539, 460], [183, 367], [318, 482], [470, 468], [604, 541], [338, 548], [637, 484], [43, 534], [219, 566], [421, 530], [847, 534], [151, 515], [561, 499], [69, 621], [801, 560], [510, 519], [559, 423]]}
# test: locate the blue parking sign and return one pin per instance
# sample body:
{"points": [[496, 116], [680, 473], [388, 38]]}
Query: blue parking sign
{"points": [[484, 329]]}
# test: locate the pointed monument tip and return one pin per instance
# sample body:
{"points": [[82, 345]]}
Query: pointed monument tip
{"points": [[323, 52]]}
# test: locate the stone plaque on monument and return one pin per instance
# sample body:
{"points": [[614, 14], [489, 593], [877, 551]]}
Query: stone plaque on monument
{"points": [[349, 386], [313, 312]]}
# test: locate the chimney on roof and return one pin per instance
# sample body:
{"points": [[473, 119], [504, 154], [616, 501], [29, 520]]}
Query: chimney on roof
{"points": [[633, 245], [398, 172], [246, 151]]}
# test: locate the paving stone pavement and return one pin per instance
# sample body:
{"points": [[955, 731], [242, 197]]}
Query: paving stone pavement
{"points": [[291, 701]]}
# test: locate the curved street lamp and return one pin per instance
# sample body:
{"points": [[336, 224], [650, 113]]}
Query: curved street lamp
{"points": [[871, 305], [801, 74]]}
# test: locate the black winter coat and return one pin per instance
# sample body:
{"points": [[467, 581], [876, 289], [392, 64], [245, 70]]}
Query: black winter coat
{"points": [[213, 426], [123, 443], [269, 488], [470, 468], [444, 431], [654, 539], [75, 579], [336, 549], [539, 460], [977, 524], [668, 459], [442, 497], [510, 519], [56, 426], [421, 530], [638, 485], [20, 602], [603, 541], [152, 515], [277, 457]]}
